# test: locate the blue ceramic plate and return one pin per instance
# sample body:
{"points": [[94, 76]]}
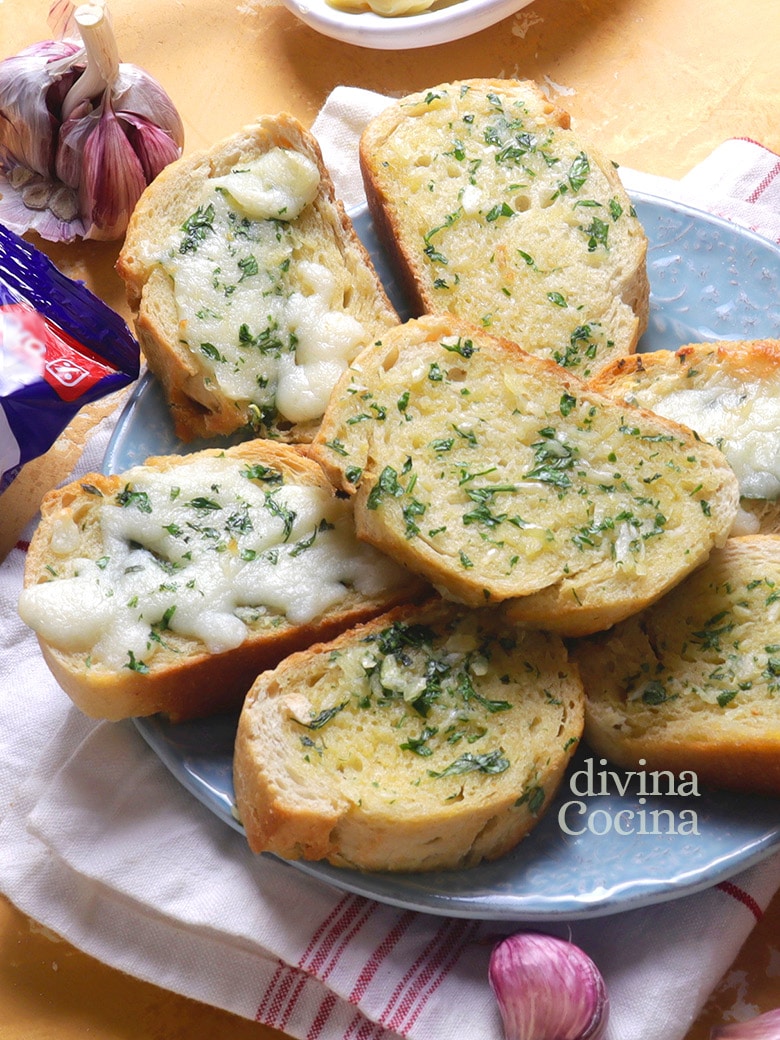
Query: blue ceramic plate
{"points": [[598, 850]]}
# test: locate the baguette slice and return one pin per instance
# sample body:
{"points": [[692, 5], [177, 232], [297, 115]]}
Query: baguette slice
{"points": [[729, 393], [693, 683], [495, 211], [499, 476], [250, 288], [167, 588], [430, 738]]}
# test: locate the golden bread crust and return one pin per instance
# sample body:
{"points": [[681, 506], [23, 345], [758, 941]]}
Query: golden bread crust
{"points": [[691, 684], [729, 392], [183, 678], [495, 211], [322, 232], [336, 757], [500, 477]]}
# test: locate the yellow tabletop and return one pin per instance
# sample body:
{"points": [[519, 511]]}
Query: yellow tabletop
{"points": [[660, 83]]}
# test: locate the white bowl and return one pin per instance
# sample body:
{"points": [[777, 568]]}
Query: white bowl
{"points": [[438, 25]]}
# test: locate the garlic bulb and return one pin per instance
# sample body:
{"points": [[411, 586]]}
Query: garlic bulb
{"points": [[547, 989], [81, 134], [762, 1027]]}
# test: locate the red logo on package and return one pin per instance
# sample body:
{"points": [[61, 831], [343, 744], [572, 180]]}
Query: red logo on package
{"points": [[69, 368]]}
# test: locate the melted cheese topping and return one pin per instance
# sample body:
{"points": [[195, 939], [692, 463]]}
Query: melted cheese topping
{"points": [[739, 417], [266, 327], [201, 551]]}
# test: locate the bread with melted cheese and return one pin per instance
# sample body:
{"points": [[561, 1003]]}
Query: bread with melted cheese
{"points": [[494, 210], [167, 588], [428, 739], [729, 393], [499, 476], [249, 286], [693, 683]]}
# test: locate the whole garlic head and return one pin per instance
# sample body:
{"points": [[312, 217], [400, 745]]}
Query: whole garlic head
{"points": [[81, 134]]}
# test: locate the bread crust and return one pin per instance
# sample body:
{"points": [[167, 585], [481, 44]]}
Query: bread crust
{"points": [[512, 481], [373, 786], [739, 384], [184, 679], [691, 684], [408, 145], [200, 408]]}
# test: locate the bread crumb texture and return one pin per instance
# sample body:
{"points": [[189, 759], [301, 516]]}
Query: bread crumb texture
{"points": [[135, 580], [497, 212], [500, 477], [250, 289], [428, 739], [693, 682]]}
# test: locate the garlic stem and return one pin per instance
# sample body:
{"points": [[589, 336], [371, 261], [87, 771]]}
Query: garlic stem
{"points": [[102, 56]]}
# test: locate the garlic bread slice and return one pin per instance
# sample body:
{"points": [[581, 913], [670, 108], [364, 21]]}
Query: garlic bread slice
{"points": [[494, 210], [429, 739], [693, 682], [499, 476]]}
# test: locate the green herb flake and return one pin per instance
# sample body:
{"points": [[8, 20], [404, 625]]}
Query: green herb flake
{"points": [[567, 404], [323, 718], [533, 797], [491, 762], [502, 209], [462, 346], [136, 499], [135, 665], [386, 485], [196, 227], [265, 474], [654, 693]]}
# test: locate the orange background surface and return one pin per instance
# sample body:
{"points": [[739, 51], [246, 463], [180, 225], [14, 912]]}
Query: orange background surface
{"points": [[659, 83]]}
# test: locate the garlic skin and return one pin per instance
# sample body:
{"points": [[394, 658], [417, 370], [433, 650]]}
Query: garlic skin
{"points": [[81, 133], [762, 1027], [547, 989], [32, 86]]}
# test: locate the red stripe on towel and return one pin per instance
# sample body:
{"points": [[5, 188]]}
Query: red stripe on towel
{"points": [[742, 897], [758, 144], [322, 1016], [281, 996], [764, 183], [323, 958], [426, 974], [326, 924], [363, 1029], [280, 968], [435, 982], [382, 951]]}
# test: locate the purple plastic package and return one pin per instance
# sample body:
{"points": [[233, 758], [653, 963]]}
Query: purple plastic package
{"points": [[61, 347]]}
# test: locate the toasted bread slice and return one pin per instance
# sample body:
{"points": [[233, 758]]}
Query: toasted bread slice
{"points": [[729, 393], [499, 476], [169, 587], [250, 288], [494, 210], [428, 739], [693, 683]]}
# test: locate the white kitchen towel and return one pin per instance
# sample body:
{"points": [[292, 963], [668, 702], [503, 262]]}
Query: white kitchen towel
{"points": [[100, 844]]}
